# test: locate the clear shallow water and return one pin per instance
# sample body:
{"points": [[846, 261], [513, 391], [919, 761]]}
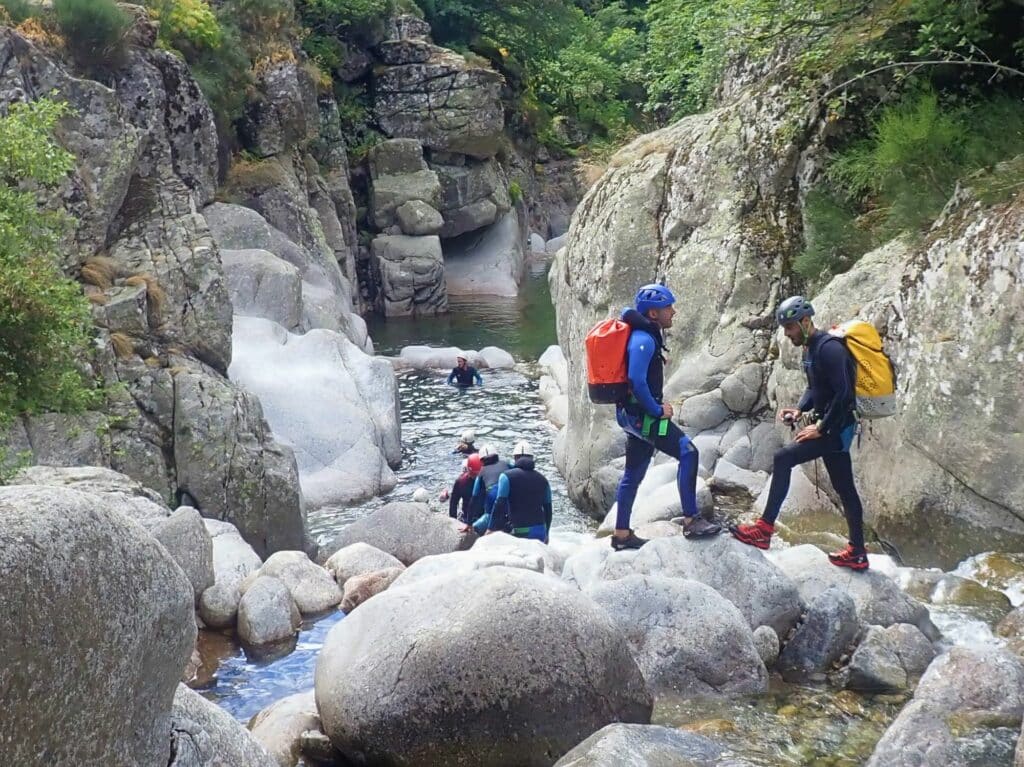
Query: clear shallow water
{"points": [[790, 726]]}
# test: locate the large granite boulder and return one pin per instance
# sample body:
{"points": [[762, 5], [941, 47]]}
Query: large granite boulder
{"points": [[406, 531], [889, 659], [486, 263], [410, 274], [396, 157], [707, 203], [951, 721], [392, 685], [358, 559], [229, 462], [187, 540], [325, 296], [311, 586], [131, 498], [878, 599], [687, 639], [443, 102], [262, 285], [279, 727], [267, 614], [958, 294], [122, 635], [233, 561], [389, 193], [344, 428], [205, 735], [474, 194], [764, 594], [359, 588], [827, 631]]}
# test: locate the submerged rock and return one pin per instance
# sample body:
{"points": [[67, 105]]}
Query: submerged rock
{"points": [[545, 667], [640, 745], [962, 697]]}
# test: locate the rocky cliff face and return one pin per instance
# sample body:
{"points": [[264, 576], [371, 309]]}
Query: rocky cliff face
{"points": [[713, 204], [948, 471], [710, 204]]}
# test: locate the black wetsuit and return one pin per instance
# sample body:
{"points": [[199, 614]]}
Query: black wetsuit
{"points": [[462, 492], [464, 376], [523, 502], [831, 372]]}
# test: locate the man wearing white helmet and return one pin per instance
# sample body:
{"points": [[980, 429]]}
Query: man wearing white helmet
{"points": [[523, 503], [485, 489], [466, 446], [463, 375]]}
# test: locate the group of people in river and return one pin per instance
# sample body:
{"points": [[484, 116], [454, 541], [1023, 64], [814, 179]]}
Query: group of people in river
{"points": [[492, 495]]}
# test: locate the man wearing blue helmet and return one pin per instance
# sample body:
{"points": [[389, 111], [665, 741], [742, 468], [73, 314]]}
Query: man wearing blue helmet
{"points": [[831, 373], [647, 421]]}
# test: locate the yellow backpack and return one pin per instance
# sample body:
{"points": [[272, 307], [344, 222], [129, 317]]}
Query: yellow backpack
{"points": [[875, 384]]}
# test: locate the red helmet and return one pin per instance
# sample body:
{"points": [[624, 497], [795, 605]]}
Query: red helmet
{"points": [[474, 464]]}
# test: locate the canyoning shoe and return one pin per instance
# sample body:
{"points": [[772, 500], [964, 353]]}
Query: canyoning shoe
{"points": [[698, 527], [758, 534], [855, 559], [631, 541]]}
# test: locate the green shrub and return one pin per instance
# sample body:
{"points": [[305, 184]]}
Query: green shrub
{"points": [[908, 166], [44, 318], [95, 31], [833, 240], [515, 192], [187, 26], [224, 74], [17, 10]]}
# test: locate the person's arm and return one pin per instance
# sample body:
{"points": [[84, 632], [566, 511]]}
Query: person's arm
{"points": [[451, 376], [640, 352], [500, 514], [476, 376], [832, 362], [805, 401], [548, 513], [453, 500]]}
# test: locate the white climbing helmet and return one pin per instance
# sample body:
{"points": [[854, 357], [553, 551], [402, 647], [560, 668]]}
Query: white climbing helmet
{"points": [[468, 436], [522, 448], [486, 451]]}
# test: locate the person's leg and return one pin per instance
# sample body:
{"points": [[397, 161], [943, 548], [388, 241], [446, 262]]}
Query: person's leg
{"points": [[840, 472], [638, 458], [671, 440], [760, 533]]}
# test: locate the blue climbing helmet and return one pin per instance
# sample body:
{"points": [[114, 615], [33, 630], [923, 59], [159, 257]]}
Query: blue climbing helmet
{"points": [[653, 296], [793, 309]]}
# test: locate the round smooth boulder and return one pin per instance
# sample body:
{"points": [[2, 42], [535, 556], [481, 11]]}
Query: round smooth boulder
{"points": [[205, 735], [94, 610], [686, 637], [358, 559], [362, 587], [233, 561], [279, 727], [266, 613], [741, 574], [186, 539], [312, 587], [509, 667], [406, 531]]}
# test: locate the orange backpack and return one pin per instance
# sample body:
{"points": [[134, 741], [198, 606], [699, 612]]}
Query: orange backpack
{"points": [[607, 369]]}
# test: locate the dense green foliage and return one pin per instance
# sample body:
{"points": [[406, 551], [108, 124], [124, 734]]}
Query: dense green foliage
{"points": [[17, 10], [898, 178], [94, 30], [44, 318]]}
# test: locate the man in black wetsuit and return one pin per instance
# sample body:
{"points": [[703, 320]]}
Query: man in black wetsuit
{"points": [[523, 502], [831, 372], [463, 375], [485, 489]]}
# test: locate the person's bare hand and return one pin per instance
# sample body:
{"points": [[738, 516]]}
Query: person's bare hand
{"points": [[789, 413], [808, 433], [666, 410]]}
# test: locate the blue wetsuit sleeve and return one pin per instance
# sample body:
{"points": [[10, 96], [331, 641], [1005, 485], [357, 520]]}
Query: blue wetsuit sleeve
{"points": [[832, 358], [476, 375], [641, 351], [548, 509], [451, 376], [500, 513]]}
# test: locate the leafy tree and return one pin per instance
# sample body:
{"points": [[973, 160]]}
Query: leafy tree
{"points": [[44, 318]]}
